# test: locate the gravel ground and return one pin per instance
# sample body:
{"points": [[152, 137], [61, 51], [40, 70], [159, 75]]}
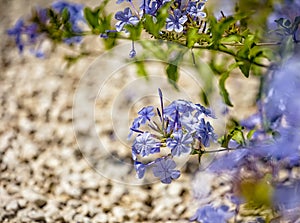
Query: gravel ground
{"points": [[44, 176]]}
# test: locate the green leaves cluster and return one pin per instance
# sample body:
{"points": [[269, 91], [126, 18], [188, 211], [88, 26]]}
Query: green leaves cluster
{"points": [[99, 22]]}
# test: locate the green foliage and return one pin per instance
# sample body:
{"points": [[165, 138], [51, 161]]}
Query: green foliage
{"points": [[140, 69], [153, 25], [257, 192], [100, 22], [235, 133]]}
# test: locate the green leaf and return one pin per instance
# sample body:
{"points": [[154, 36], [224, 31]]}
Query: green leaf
{"points": [[223, 91], [135, 31], [153, 25], [172, 73], [250, 134], [92, 17], [141, 70], [243, 55], [65, 15]]}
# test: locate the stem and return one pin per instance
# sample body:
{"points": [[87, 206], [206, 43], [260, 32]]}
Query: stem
{"points": [[217, 150]]}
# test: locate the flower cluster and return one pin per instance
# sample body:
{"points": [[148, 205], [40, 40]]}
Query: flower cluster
{"points": [[274, 144], [46, 23], [182, 15], [182, 129]]}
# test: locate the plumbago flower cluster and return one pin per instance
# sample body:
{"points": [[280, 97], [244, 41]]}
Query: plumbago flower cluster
{"points": [[182, 129], [163, 19], [60, 23]]}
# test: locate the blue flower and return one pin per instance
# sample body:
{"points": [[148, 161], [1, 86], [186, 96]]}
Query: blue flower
{"points": [[176, 21], [75, 10], [232, 160], [180, 143], [150, 7], [146, 113], [164, 169], [126, 18], [209, 214], [145, 144], [195, 9], [287, 196], [205, 132], [189, 123], [202, 110], [76, 15], [26, 35], [140, 169]]}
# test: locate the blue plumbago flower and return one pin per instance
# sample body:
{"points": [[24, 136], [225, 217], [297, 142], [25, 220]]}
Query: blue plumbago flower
{"points": [[175, 22], [195, 9], [181, 126], [150, 7], [180, 143], [145, 144], [205, 133], [202, 110], [164, 169], [140, 169], [208, 214], [126, 18], [189, 122], [146, 114]]}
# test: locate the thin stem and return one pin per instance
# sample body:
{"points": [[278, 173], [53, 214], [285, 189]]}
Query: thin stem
{"points": [[217, 150]]}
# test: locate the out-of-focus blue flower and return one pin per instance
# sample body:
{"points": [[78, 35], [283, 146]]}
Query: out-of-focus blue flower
{"points": [[164, 169], [252, 121], [205, 132], [195, 9], [180, 143], [26, 35], [285, 146], [76, 15], [17, 31], [145, 144], [209, 214], [75, 10], [126, 18], [231, 161], [175, 22], [287, 196]]}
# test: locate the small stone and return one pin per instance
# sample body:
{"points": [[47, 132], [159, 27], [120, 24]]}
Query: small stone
{"points": [[36, 216], [100, 217], [118, 213], [12, 206], [34, 197], [22, 203]]}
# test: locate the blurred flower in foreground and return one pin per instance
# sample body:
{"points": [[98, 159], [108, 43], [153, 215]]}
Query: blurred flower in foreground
{"points": [[57, 23]]}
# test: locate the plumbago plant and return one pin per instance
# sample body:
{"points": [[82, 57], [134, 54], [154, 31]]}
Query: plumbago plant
{"points": [[257, 149]]}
